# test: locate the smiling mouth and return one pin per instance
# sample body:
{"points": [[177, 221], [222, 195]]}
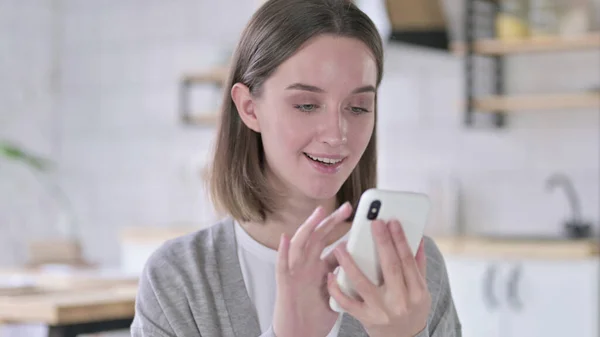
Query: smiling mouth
{"points": [[323, 160]]}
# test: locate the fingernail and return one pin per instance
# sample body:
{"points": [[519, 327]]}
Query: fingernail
{"points": [[315, 212], [378, 226], [395, 226]]}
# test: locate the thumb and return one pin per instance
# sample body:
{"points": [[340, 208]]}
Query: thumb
{"points": [[422, 258]]}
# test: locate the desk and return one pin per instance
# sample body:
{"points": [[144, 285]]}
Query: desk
{"points": [[70, 305]]}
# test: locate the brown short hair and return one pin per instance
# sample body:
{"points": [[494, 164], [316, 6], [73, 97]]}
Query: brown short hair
{"points": [[237, 180]]}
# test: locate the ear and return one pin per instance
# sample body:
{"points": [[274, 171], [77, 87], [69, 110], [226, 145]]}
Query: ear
{"points": [[240, 94]]}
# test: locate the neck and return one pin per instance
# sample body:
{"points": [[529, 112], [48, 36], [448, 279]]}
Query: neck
{"points": [[291, 215]]}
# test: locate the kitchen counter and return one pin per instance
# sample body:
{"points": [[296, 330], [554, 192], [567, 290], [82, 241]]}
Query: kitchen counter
{"points": [[63, 304], [464, 245], [519, 247]]}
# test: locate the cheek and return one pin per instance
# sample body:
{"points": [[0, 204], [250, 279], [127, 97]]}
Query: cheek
{"points": [[360, 132], [290, 138], [284, 134]]}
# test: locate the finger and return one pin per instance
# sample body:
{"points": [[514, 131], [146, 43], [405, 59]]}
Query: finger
{"points": [[316, 243], [298, 241], [330, 222], [422, 260], [363, 286], [410, 270], [348, 304], [283, 255], [391, 267], [303, 233], [331, 261]]}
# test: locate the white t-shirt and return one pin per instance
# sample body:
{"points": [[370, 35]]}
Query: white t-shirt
{"points": [[258, 268]]}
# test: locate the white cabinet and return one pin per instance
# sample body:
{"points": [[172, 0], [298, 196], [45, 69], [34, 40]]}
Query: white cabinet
{"points": [[554, 298], [526, 297], [478, 306]]}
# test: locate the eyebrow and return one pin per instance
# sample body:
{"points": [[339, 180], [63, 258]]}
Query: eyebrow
{"points": [[312, 88]]}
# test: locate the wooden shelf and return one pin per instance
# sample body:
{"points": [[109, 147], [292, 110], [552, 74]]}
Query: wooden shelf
{"points": [[146, 234], [538, 102], [203, 119], [217, 75], [531, 45]]}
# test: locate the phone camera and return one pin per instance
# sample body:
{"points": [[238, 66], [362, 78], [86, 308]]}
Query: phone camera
{"points": [[374, 210]]}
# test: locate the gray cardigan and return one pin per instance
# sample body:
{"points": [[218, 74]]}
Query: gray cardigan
{"points": [[193, 286]]}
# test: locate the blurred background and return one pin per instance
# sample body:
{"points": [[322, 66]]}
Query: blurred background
{"points": [[107, 121]]}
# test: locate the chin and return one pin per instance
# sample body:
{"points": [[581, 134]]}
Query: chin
{"points": [[322, 190]]}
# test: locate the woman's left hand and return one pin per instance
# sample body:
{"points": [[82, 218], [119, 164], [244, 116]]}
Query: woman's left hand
{"points": [[399, 307]]}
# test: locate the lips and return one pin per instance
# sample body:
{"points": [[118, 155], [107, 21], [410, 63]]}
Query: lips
{"points": [[325, 164], [324, 160]]}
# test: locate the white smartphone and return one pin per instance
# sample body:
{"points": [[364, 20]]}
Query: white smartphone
{"points": [[409, 208]]}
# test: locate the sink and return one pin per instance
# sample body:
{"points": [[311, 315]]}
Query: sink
{"points": [[532, 238], [526, 237]]}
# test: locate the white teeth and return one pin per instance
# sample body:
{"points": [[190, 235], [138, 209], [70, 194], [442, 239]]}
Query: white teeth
{"points": [[324, 160]]}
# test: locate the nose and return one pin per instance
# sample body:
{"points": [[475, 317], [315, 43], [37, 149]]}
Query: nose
{"points": [[333, 128]]}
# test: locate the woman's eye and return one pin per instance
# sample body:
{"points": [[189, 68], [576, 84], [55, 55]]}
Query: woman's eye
{"points": [[358, 110], [306, 107]]}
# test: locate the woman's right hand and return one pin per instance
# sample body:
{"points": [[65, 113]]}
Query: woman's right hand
{"points": [[302, 302]]}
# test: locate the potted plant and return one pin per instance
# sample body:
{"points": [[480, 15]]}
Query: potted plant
{"points": [[66, 249], [14, 152]]}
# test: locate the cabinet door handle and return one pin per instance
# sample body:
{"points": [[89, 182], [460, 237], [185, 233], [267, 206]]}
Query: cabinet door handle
{"points": [[488, 287], [513, 288]]}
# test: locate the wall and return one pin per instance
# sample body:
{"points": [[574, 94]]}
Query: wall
{"points": [[28, 115], [126, 161], [126, 158], [501, 172]]}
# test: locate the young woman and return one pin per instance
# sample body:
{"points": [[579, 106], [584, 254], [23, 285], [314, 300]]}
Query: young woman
{"points": [[296, 147]]}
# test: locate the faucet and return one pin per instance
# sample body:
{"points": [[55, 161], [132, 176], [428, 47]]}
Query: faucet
{"points": [[575, 227], [561, 180]]}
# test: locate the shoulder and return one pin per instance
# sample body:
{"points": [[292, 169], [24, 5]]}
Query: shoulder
{"points": [[187, 257], [437, 274], [183, 273], [178, 275], [436, 265], [443, 316]]}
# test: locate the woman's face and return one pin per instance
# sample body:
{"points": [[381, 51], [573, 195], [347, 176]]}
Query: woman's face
{"points": [[316, 115]]}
